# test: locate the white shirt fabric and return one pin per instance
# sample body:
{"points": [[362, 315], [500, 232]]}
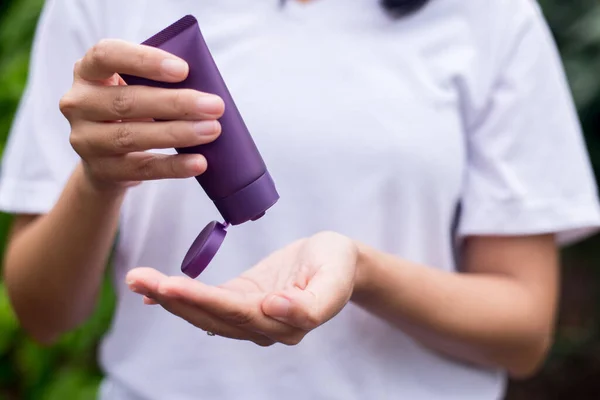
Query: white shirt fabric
{"points": [[372, 127]]}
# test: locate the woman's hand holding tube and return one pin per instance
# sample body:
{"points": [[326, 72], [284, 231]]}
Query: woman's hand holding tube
{"points": [[112, 124], [54, 262]]}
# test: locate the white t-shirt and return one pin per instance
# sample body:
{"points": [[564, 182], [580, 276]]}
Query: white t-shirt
{"points": [[372, 127]]}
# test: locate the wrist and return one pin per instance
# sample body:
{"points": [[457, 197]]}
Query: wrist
{"points": [[363, 279]]}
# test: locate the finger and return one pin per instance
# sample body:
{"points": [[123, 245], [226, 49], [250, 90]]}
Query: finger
{"points": [[229, 306], [148, 166], [295, 309], [210, 323], [127, 137], [308, 308], [110, 103], [144, 280], [112, 56], [149, 301], [326, 294], [328, 290]]}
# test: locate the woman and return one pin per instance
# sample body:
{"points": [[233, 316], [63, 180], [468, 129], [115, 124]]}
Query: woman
{"points": [[429, 164]]}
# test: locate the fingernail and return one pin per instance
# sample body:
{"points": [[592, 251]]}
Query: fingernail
{"points": [[206, 128], [210, 104], [173, 67], [279, 306], [131, 284], [193, 164]]}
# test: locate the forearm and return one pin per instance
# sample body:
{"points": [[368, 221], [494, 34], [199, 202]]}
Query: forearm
{"points": [[54, 267], [485, 319]]}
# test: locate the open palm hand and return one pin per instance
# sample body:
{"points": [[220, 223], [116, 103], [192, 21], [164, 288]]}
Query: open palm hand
{"points": [[281, 299]]}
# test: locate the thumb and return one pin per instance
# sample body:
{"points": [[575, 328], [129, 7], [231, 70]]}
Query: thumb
{"points": [[294, 307], [323, 298]]}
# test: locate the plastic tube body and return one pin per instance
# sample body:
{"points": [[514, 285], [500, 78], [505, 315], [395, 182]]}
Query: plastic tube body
{"points": [[236, 180]]}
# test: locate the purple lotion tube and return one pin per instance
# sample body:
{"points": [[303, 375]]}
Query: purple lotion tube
{"points": [[237, 179]]}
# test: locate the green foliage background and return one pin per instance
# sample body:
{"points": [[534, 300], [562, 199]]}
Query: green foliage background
{"points": [[69, 369]]}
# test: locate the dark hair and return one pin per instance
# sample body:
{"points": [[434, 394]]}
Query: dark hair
{"points": [[396, 7], [403, 7]]}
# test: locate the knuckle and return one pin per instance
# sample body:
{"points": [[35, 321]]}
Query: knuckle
{"points": [[123, 101], [180, 134], [171, 132], [141, 59], [77, 67], [176, 99], [82, 140], [145, 169], [99, 52], [123, 138], [76, 141], [68, 104], [181, 101], [173, 167]]}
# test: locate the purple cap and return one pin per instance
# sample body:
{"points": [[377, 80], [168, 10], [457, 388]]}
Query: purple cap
{"points": [[249, 203], [203, 249]]}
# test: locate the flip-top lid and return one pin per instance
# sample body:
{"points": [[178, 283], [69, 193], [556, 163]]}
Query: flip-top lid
{"points": [[203, 249]]}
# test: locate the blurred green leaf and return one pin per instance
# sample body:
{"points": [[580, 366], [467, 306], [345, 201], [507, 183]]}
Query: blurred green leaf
{"points": [[72, 384], [33, 362], [9, 326]]}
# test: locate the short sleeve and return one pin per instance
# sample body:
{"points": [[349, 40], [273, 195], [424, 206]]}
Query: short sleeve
{"points": [[38, 158], [528, 169]]}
